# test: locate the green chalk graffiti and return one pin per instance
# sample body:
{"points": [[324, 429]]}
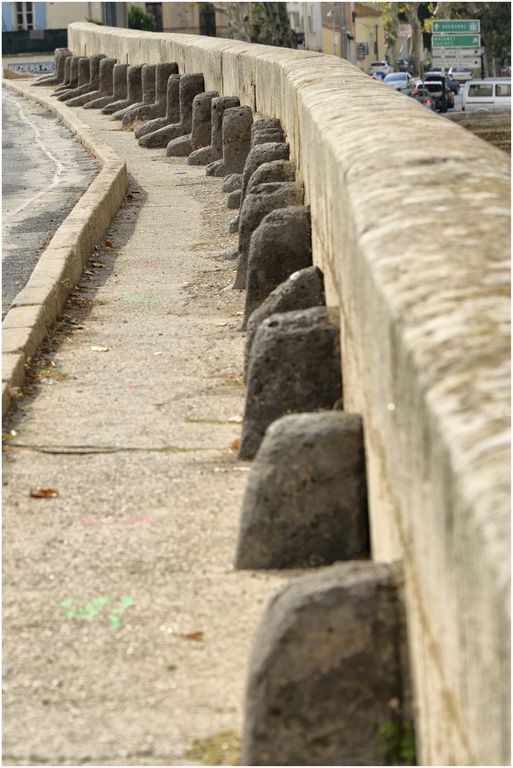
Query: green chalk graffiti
{"points": [[88, 609]]}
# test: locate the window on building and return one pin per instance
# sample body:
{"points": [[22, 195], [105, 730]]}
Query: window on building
{"points": [[24, 16]]}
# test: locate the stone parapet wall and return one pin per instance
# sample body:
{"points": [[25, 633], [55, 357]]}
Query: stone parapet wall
{"points": [[410, 223], [493, 127]]}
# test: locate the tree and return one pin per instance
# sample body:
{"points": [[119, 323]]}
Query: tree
{"points": [[266, 23], [390, 15], [139, 19]]}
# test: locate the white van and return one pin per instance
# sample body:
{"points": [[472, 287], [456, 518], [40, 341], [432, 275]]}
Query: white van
{"points": [[490, 95]]}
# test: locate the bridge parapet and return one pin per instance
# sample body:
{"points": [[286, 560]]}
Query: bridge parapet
{"points": [[410, 223]]}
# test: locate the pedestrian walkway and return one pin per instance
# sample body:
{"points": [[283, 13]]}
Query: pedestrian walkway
{"points": [[126, 631]]}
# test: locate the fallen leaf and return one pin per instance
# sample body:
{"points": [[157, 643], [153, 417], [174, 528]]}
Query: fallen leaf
{"points": [[157, 353], [235, 445], [99, 349], [97, 264], [43, 493], [198, 635], [108, 243], [235, 420]]}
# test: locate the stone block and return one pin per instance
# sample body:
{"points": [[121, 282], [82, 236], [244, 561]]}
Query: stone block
{"points": [[137, 111], [60, 56], [88, 80], [134, 93], [301, 290], [81, 81], [189, 87], [266, 126], [262, 200], [172, 114], [201, 127], [232, 182], [275, 170], [279, 246], [71, 82], [234, 199], [104, 86], [326, 679], [262, 153], [119, 89], [152, 110], [214, 151], [294, 367], [305, 502], [237, 123]]}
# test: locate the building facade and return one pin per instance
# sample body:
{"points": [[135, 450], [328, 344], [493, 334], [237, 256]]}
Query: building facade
{"points": [[17, 17]]}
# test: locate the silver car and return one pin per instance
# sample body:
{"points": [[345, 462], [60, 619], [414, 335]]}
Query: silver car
{"points": [[401, 81]]}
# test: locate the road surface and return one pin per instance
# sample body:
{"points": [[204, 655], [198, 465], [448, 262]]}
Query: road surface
{"points": [[45, 171]]}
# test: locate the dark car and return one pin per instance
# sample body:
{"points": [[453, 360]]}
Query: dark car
{"points": [[423, 96], [438, 86], [449, 83]]}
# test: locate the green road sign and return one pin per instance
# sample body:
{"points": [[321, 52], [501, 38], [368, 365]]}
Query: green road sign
{"points": [[455, 41], [455, 25]]}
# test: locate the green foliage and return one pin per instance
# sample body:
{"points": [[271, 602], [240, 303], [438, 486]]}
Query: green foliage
{"points": [[139, 19], [398, 742]]}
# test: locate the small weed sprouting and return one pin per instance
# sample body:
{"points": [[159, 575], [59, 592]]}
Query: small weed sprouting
{"points": [[222, 748], [398, 742], [54, 374]]}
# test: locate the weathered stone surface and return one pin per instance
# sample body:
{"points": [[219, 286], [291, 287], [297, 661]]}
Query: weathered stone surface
{"points": [[237, 124], [172, 115], [60, 55], [84, 68], [232, 182], [133, 92], [119, 89], [189, 87], [294, 367], [234, 199], [325, 673], [306, 501], [262, 200], [275, 170], [106, 67], [66, 78], [137, 111], [280, 245], [301, 290], [262, 153], [154, 107], [214, 151], [72, 81], [201, 127], [266, 125]]}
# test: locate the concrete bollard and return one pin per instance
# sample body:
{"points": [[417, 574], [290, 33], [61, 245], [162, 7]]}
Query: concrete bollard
{"points": [[200, 134], [70, 76], [88, 70], [232, 182], [237, 124], [262, 200], [301, 290], [214, 151], [156, 108], [189, 87], [133, 113], [294, 367], [327, 678], [305, 502], [120, 89], [82, 79], [134, 92], [115, 84], [61, 55], [172, 113], [276, 170], [279, 246], [104, 85]]}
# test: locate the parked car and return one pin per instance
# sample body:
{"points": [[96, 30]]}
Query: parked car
{"points": [[423, 96], [452, 85], [380, 66], [436, 77], [439, 93], [461, 74], [490, 95], [401, 81]]}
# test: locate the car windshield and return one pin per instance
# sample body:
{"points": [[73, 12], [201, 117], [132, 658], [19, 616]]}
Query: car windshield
{"points": [[395, 76]]}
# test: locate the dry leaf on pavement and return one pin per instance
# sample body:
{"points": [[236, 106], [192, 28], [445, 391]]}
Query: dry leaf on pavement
{"points": [[43, 493]]}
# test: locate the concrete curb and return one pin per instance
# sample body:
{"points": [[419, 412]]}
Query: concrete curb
{"points": [[40, 303]]}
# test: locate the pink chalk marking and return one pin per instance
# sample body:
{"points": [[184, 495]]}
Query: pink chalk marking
{"points": [[115, 520], [131, 386]]}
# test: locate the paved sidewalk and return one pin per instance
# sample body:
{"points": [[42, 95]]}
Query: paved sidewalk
{"points": [[126, 631]]}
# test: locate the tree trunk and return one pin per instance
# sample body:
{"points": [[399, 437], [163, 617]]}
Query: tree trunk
{"points": [[416, 49]]}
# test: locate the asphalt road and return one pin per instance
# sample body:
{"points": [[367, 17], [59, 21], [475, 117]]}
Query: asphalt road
{"points": [[45, 171]]}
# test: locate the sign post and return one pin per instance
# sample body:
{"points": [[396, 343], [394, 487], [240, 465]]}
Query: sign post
{"points": [[456, 43]]}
